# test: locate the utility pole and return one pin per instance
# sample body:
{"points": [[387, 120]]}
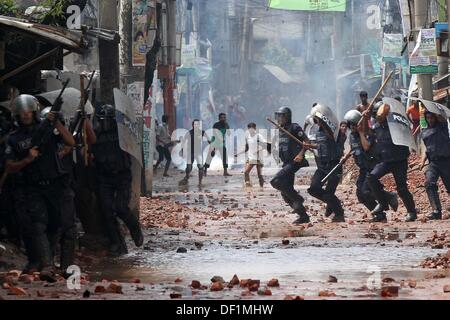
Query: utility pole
{"points": [[167, 69], [244, 48], [109, 52], [420, 17]]}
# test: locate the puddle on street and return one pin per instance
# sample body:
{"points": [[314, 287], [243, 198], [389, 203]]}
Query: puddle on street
{"points": [[350, 264]]}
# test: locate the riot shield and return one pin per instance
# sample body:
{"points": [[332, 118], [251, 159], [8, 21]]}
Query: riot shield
{"points": [[71, 101], [130, 138], [328, 117], [399, 124], [435, 107]]}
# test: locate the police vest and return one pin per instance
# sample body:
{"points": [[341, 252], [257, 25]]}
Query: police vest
{"points": [[328, 150], [288, 148], [109, 157], [437, 141], [46, 167], [386, 150], [363, 159]]}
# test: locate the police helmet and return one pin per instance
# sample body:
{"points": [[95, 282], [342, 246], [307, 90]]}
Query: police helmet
{"points": [[25, 103], [284, 111], [376, 107], [353, 117]]}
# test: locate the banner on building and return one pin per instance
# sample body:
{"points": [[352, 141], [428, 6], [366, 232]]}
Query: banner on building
{"points": [[135, 91], [309, 5], [188, 55], [423, 59], [144, 24], [392, 47], [128, 127]]}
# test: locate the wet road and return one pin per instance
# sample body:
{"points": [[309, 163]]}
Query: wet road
{"points": [[236, 230]]}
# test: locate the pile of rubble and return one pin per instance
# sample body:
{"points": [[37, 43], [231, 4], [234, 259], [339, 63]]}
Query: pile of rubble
{"points": [[441, 261], [439, 241], [157, 212]]}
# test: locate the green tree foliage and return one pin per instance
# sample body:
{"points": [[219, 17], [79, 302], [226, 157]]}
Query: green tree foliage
{"points": [[8, 8], [56, 12]]}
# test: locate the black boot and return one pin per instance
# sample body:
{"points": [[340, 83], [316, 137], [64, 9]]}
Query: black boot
{"points": [[302, 219], [380, 217], [392, 200], [328, 211], [338, 218], [435, 202], [300, 209], [334, 204], [411, 217], [435, 215], [379, 209]]}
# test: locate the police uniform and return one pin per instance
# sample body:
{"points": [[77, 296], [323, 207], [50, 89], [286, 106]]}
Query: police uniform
{"points": [[437, 142], [285, 178], [113, 169], [39, 187], [329, 153], [366, 162], [393, 159]]}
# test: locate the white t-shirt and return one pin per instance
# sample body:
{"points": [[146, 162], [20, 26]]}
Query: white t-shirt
{"points": [[254, 146]]}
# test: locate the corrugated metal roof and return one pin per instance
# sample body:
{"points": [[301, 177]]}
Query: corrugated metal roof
{"points": [[69, 39]]}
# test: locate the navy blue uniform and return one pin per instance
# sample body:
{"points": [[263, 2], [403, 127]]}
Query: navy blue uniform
{"points": [[284, 179], [437, 142], [38, 193], [365, 161], [392, 159], [329, 153]]}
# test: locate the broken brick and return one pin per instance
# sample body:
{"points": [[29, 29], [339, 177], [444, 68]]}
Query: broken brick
{"points": [[217, 286], [389, 292], [327, 293], [273, 283], [196, 284], [17, 291], [100, 289]]}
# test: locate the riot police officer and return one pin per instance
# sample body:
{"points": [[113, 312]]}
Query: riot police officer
{"points": [[113, 169], [392, 159], [291, 154], [67, 233], [437, 142], [38, 178], [361, 145], [329, 153]]}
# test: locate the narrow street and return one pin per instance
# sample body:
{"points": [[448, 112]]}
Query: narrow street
{"points": [[222, 229]]}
